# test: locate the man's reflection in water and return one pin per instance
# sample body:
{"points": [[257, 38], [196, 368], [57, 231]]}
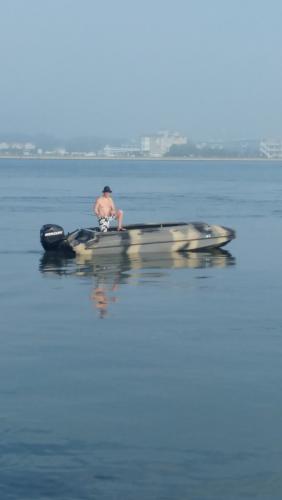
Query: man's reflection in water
{"points": [[110, 272], [102, 297]]}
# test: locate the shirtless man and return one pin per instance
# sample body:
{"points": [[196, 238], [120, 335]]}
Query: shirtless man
{"points": [[105, 210]]}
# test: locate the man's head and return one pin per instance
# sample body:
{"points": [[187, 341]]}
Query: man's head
{"points": [[107, 191]]}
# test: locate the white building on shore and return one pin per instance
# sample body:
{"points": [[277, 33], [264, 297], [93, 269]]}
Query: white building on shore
{"points": [[271, 149], [17, 146], [121, 151], [159, 144]]}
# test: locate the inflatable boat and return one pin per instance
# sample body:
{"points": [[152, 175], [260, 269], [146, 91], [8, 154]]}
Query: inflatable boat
{"points": [[136, 238]]}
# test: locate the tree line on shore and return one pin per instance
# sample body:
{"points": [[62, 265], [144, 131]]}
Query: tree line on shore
{"points": [[206, 150]]}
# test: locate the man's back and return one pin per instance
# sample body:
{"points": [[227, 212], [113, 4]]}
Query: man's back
{"points": [[104, 207]]}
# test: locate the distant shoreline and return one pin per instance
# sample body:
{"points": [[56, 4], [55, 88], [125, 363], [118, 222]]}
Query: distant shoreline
{"points": [[125, 158]]}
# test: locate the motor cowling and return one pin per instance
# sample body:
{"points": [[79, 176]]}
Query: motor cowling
{"points": [[52, 236]]}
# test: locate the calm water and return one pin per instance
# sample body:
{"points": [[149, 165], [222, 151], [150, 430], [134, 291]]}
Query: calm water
{"points": [[141, 379]]}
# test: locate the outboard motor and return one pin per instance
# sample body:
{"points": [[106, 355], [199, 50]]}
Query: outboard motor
{"points": [[52, 237]]}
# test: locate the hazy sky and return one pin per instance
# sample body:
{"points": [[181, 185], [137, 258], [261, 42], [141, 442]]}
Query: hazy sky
{"points": [[208, 68]]}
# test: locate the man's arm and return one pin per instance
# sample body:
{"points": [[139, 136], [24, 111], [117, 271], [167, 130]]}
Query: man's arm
{"points": [[96, 207], [113, 208]]}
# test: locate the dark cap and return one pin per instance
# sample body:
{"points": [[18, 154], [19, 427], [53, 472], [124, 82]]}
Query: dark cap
{"points": [[107, 189]]}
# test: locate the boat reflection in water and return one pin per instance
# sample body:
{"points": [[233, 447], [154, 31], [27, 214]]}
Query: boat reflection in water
{"points": [[109, 272]]}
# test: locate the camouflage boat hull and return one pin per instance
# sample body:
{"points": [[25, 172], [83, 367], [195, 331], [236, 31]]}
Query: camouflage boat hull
{"points": [[149, 238]]}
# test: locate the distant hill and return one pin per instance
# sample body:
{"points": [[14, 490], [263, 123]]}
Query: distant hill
{"points": [[81, 144], [90, 144]]}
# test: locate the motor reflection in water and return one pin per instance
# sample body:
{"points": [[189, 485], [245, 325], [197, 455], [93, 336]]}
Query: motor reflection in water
{"points": [[109, 272]]}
